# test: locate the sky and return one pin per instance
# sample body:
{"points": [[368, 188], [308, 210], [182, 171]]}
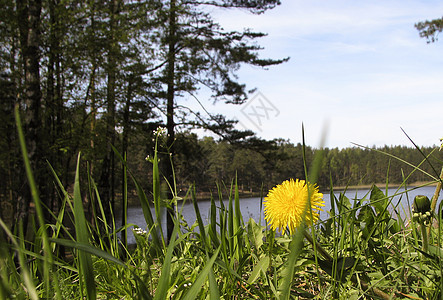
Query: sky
{"points": [[358, 73]]}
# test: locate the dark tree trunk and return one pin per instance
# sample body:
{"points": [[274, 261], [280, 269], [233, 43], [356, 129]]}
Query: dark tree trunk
{"points": [[29, 22], [125, 141], [170, 125], [107, 179], [13, 169], [54, 100]]}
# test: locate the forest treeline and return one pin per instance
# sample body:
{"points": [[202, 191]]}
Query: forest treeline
{"points": [[204, 161]]}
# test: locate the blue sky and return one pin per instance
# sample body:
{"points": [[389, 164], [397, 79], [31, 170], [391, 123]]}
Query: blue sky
{"points": [[357, 68]]}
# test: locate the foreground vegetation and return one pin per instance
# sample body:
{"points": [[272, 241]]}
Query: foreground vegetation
{"points": [[363, 250]]}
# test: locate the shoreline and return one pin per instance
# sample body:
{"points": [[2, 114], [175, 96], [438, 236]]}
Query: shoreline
{"points": [[383, 185], [252, 194]]}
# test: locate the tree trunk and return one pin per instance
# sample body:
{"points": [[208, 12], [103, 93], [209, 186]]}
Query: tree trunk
{"points": [[125, 142], [107, 176], [54, 101], [170, 125], [29, 22]]}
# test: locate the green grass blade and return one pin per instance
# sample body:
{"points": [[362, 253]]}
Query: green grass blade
{"points": [[82, 236], [35, 197], [163, 282], [238, 223], [125, 204], [144, 202], [196, 286], [201, 226], [88, 248], [238, 214], [156, 192], [213, 287], [231, 231], [213, 223], [288, 270]]}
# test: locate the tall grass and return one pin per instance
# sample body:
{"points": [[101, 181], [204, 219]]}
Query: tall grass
{"points": [[365, 249]]}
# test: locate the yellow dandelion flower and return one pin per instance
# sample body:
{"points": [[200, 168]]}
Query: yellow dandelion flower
{"points": [[287, 205]]}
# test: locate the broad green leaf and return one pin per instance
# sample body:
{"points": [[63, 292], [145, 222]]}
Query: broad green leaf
{"points": [[378, 199], [255, 233], [261, 266]]}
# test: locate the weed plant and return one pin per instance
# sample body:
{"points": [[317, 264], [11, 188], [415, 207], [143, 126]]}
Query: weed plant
{"points": [[364, 250]]}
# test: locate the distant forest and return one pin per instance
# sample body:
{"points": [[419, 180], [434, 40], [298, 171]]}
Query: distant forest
{"points": [[205, 161]]}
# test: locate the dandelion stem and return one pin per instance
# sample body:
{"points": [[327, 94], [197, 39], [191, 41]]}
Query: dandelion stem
{"points": [[424, 236], [434, 200], [318, 247], [437, 192]]}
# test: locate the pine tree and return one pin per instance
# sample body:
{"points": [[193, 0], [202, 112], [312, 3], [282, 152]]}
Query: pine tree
{"points": [[200, 53]]}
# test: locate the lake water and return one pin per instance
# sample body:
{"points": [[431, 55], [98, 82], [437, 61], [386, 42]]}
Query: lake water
{"points": [[250, 207]]}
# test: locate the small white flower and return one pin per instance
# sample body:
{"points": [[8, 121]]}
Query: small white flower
{"points": [[160, 130], [139, 231]]}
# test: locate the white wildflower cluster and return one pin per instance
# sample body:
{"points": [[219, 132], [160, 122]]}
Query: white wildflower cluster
{"points": [[139, 231], [160, 130]]}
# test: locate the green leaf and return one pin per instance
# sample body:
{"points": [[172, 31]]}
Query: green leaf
{"points": [[261, 266], [378, 199], [255, 233], [288, 270]]}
